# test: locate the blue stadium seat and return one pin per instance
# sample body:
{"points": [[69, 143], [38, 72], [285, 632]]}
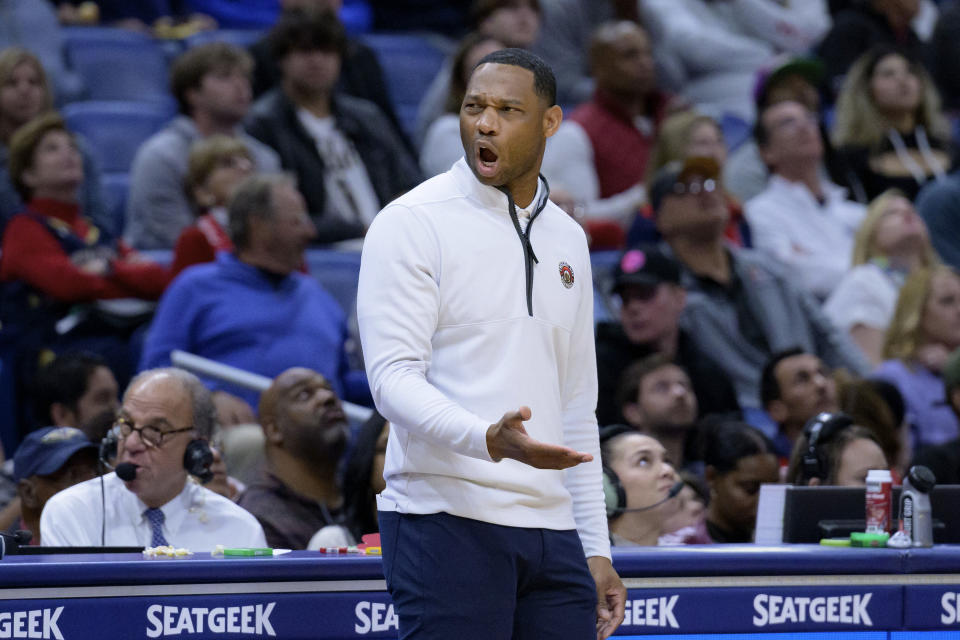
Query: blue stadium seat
{"points": [[116, 129], [338, 272], [736, 130], [410, 62], [602, 264], [117, 64], [357, 16], [242, 38], [115, 188]]}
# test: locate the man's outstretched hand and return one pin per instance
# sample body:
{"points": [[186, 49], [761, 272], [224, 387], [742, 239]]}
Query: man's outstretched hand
{"points": [[508, 439]]}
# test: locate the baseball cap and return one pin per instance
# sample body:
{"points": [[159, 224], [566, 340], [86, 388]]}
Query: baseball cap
{"points": [[810, 69], [666, 178], [45, 451], [648, 266]]}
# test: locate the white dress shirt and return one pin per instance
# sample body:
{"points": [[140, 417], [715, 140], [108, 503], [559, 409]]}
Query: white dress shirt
{"points": [[197, 519], [813, 240]]}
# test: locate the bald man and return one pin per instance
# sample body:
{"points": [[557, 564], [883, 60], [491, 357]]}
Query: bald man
{"points": [[306, 430]]}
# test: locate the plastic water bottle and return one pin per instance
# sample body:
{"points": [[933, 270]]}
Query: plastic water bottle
{"points": [[915, 513]]}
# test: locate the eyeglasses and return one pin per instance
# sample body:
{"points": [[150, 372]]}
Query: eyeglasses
{"points": [[694, 187], [150, 435]]}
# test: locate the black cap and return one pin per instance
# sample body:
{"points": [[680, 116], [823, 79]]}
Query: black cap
{"points": [[921, 478], [645, 266]]}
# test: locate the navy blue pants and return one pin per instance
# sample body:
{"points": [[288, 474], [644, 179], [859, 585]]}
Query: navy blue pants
{"points": [[453, 577]]}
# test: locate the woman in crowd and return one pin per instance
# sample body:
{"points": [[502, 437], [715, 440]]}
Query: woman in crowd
{"points": [[889, 126], [637, 486], [891, 242], [24, 94], [217, 165], [688, 134], [924, 331], [878, 406], [54, 258], [842, 453], [441, 145], [738, 459]]}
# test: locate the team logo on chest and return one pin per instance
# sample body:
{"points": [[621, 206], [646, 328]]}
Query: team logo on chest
{"points": [[566, 275]]}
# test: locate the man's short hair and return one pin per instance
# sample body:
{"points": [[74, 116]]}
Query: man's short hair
{"points": [[190, 68], [24, 144], [63, 380], [480, 10], [306, 30], [253, 199], [632, 377], [544, 82], [769, 387], [201, 400]]}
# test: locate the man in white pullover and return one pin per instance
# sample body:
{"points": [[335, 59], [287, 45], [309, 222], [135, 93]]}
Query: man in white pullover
{"points": [[475, 299]]}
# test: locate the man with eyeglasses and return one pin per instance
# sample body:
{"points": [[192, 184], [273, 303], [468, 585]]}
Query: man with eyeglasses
{"points": [[163, 410], [801, 218], [647, 282], [742, 306]]}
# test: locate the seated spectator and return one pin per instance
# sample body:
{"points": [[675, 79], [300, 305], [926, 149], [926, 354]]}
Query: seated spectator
{"points": [[48, 461], [794, 79], [217, 165], [944, 459], [515, 23], [74, 391], [878, 406], [891, 242], [647, 282], [253, 309], [306, 433], [656, 398], [794, 387], [361, 74], [163, 412], [600, 155], [834, 451], [346, 156], [24, 94], [56, 263], [211, 83], [713, 50], [738, 460], [33, 25], [863, 25], [889, 127], [441, 144], [924, 331], [363, 475], [638, 479], [741, 306], [689, 134], [801, 218]]}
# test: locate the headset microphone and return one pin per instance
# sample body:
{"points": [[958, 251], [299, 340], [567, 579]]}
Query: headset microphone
{"points": [[127, 471], [674, 491]]}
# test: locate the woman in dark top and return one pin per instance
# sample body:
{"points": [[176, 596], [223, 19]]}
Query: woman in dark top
{"points": [[889, 126]]}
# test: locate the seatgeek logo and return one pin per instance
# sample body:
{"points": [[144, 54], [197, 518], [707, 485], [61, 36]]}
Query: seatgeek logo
{"points": [[32, 623], [254, 620], [651, 612], [375, 616], [774, 609]]}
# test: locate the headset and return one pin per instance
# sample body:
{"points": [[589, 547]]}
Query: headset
{"points": [[197, 460], [819, 430], [615, 496]]}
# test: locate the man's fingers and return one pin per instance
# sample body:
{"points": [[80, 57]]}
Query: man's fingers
{"points": [[549, 456]]}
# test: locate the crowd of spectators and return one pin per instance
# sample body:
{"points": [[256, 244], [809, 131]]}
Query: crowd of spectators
{"points": [[769, 190]]}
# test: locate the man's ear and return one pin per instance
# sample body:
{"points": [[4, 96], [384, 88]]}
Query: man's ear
{"points": [[271, 431], [62, 415], [552, 118], [813, 482], [28, 494], [633, 415]]}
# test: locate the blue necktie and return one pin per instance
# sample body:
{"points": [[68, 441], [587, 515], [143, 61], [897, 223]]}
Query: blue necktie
{"points": [[156, 517]]}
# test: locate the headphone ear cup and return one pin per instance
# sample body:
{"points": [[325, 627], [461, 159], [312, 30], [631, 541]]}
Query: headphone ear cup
{"points": [[614, 497], [197, 460]]}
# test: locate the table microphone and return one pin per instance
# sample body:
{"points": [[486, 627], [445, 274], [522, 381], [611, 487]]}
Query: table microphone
{"points": [[674, 490], [127, 471]]}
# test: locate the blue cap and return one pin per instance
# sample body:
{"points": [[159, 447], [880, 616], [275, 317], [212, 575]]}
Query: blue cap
{"points": [[45, 451]]}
